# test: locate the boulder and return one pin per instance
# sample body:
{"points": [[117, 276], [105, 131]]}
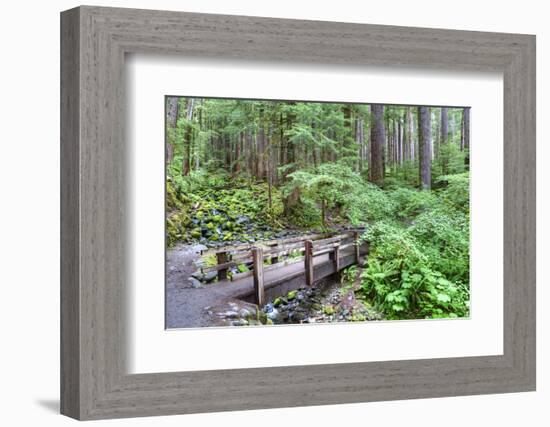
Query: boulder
{"points": [[196, 284]]}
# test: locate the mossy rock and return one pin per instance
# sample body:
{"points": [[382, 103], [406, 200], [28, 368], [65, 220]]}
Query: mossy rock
{"points": [[262, 317], [291, 295], [328, 310]]}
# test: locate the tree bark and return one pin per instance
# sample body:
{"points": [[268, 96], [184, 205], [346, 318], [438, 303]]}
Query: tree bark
{"points": [[187, 138], [409, 133], [360, 143], [378, 136], [467, 128], [444, 126], [260, 147], [399, 142], [462, 132], [348, 136], [467, 136], [237, 163], [425, 147], [172, 110], [443, 138]]}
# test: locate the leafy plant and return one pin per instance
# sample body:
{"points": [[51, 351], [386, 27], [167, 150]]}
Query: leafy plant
{"points": [[420, 268]]}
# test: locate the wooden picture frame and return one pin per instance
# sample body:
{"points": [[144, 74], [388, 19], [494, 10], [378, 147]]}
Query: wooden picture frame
{"points": [[94, 382]]}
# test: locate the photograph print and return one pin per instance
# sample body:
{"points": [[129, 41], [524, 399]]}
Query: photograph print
{"points": [[294, 212]]}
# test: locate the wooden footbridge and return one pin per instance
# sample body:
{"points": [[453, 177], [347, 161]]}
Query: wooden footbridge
{"points": [[276, 267]]}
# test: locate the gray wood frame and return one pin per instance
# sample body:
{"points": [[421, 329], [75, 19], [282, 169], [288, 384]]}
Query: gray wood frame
{"points": [[94, 383]]}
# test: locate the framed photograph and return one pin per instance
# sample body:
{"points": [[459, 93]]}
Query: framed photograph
{"points": [[262, 213]]}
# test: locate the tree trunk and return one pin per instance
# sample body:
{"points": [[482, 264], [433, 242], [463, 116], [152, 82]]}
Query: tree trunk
{"points": [[237, 163], [467, 137], [172, 110], [269, 184], [198, 148], [389, 144], [444, 126], [377, 138], [187, 138], [360, 143], [462, 132], [349, 126], [425, 147], [260, 147], [443, 138], [399, 142], [409, 134]]}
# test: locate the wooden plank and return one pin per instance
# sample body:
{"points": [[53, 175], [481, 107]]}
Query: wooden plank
{"points": [[328, 247], [288, 252], [279, 251], [323, 252], [222, 259], [286, 247], [249, 246], [224, 266], [240, 276], [333, 239], [356, 239], [336, 258], [347, 245], [275, 256], [283, 264], [258, 272], [243, 258], [308, 262]]}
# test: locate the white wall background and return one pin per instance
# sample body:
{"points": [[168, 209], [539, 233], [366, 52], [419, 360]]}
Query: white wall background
{"points": [[29, 224]]}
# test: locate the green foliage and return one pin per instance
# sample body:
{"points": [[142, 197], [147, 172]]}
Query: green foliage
{"points": [[342, 190], [305, 215], [444, 237], [368, 204], [409, 203], [450, 160], [419, 266], [348, 275], [455, 191]]}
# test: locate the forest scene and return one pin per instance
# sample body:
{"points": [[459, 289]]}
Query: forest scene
{"points": [[291, 212]]}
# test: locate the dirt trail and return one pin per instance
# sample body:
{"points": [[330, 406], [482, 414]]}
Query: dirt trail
{"points": [[184, 304], [187, 306]]}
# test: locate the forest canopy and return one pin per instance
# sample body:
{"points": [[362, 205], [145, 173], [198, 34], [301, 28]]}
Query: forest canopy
{"points": [[246, 170]]}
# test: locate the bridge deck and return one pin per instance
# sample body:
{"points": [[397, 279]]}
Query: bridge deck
{"points": [[281, 280]]}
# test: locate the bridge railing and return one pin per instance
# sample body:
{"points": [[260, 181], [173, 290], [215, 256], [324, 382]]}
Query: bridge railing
{"points": [[279, 253]]}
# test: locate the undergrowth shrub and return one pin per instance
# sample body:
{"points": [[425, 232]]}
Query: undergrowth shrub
{"points": [[418, 263]]}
